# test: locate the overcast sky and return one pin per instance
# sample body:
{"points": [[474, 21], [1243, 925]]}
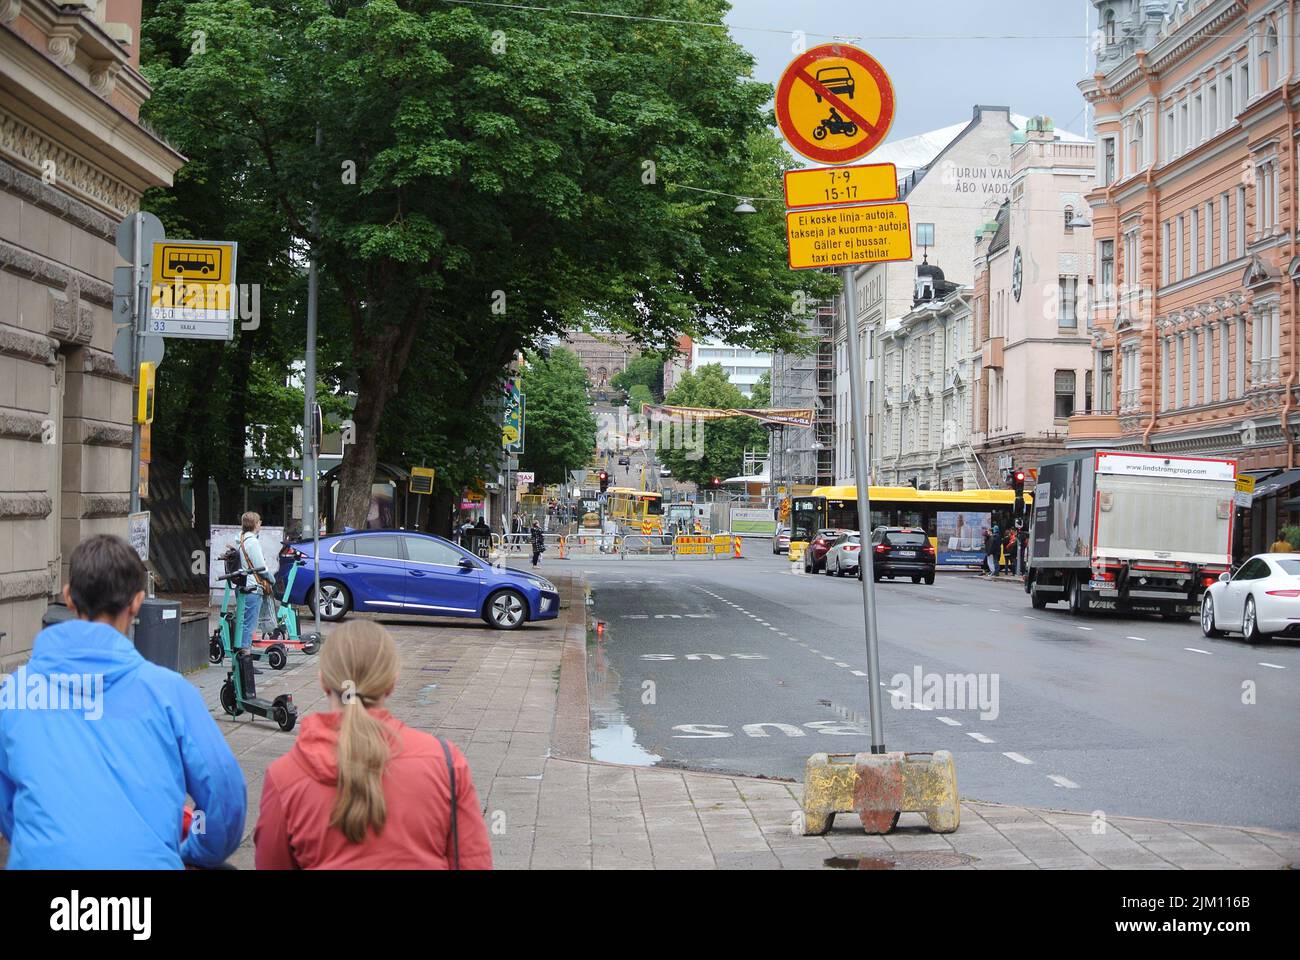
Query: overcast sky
{"points": [[940, 72]]}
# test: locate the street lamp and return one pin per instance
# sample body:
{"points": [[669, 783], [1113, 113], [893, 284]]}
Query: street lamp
{"points": [[745, 206]]}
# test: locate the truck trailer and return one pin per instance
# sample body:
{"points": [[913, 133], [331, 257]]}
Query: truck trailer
{"points": [[1130, 532]]}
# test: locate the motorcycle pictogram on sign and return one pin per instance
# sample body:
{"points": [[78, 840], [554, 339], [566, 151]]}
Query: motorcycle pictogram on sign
{"points": [[834, 103]]}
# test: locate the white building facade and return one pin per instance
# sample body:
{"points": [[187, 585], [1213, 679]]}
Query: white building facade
{"points": [[744, 366], [954, 180]]}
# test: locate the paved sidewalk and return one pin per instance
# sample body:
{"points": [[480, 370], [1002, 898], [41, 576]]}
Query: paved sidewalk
{"points": [[516, 704]]}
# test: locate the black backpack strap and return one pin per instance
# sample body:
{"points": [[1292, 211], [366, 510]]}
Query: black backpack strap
{"points": [[454, 839]]}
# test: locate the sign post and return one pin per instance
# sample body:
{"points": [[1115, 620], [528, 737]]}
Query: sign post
{"points": [[835, 104]]}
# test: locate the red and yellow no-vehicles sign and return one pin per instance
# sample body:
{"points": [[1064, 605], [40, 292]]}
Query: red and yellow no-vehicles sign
{"points": [[834, 103]]}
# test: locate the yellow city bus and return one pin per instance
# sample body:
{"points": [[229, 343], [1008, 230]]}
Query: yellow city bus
{"points": [[640, 510], [954, 520]]}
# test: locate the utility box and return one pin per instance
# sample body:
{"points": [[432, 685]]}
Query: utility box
{"points": [[157, 632]]}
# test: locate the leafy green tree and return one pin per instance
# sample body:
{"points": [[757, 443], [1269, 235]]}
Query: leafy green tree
{"points": [[725, 440], [639, 394], [646, 370], [484, 178], [559, 426], [761, 395]]}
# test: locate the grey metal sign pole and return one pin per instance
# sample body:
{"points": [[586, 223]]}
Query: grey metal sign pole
{"points": [[861, 440], [137, 351], [310, 469]]}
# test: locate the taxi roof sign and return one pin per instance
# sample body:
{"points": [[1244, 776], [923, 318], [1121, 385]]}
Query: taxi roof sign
{"points": [[834, 103]]}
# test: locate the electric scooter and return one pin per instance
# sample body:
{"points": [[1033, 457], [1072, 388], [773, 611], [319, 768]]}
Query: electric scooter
{"points": [[222, 639], [239, 692], [285, 633]]}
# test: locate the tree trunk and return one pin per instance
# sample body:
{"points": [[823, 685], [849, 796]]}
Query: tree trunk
{"points": [[441, 511]]}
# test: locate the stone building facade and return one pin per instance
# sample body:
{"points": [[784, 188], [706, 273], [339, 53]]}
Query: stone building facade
{"points": [[1195, 228], [1033, 275], [74, 161], [602, 355]]}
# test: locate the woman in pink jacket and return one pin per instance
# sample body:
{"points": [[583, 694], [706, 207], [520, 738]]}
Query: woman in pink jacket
{"points": [[360, 789]]}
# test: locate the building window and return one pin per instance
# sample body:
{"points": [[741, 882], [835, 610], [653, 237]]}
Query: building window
{"points": [[1108, 161], [1183, 134], [1087, 391], [1164, 373], [1223, 360], [1064, 394], [924, 235], [1209, 234], [1268, 60], [1107, 259], [1194, 246], [1166, 253], [1178, 370], [1241, 221], [1107, 364], [1212, 116], [1139, 158], [1069, 217], [1068, 315], [1207, 379], [1193, 381], [1240, 379], [1178, 248], [1223, 228], [1229, 105], [1244, 73], [1110, 28]]}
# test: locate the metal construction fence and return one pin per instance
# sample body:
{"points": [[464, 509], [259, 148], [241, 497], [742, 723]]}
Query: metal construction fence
{"points": [[590, 545]]}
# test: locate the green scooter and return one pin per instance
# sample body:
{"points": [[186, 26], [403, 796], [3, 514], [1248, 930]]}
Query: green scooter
{"points": [[239, 692], [222, 639]]}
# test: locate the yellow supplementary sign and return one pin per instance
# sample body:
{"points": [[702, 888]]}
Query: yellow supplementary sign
{"points": [[1245, 484], [144, 397], [847, 236], [192, 293], [831, 186]]}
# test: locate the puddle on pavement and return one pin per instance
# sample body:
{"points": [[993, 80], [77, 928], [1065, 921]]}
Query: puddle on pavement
{"points": [[858, 863], [907, 860], [613, 740], [425, 693]]}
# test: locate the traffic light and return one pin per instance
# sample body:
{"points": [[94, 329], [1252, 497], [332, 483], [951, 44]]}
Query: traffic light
{"points": [[715, 483], [604, 481], [1018, 484]]}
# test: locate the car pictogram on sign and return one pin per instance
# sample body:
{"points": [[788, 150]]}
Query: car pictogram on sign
{"points": [[837, 80]]}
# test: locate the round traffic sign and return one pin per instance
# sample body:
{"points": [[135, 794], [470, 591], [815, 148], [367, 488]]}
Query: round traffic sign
{"points": [[834, 103]]}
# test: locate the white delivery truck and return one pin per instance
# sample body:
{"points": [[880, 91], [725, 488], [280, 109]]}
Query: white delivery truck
{"points": [[1130, 532]]}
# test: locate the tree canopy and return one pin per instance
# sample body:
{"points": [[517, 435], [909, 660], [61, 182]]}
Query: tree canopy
{"points": [[559, 426], [483, 178], [726, 440]]}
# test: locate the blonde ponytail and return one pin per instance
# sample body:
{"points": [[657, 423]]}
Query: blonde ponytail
{"points": [[359, 663]]}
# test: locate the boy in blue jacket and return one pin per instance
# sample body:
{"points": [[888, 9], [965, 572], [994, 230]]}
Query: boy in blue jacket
{"points": [[99, 747]]}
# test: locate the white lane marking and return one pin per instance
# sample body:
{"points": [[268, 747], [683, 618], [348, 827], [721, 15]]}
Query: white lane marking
{"points": [[920, 706], [991, 610], [1019, 758], [1062, 781], [763, 622], [895, 693], [840, 663], [980, 737], [824, 657], [1275, 666], [1198, 650], [949, 720], [1028, 617], [1143, 639], [857, 673], [1083, 628]]}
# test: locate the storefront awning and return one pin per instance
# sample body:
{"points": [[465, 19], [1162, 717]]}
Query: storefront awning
{"points": [[1275, 485]]}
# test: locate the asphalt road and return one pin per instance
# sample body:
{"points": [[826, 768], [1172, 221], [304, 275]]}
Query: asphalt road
{"points": [[744, 667]]}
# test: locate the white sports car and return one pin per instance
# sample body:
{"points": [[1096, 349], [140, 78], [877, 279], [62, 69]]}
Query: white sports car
{"points": [[1262, 598]]}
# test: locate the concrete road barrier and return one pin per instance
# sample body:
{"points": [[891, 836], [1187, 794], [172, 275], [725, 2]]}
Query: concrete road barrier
{"points": [[879, 787]]}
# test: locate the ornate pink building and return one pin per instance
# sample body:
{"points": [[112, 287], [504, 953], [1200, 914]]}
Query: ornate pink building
{"points": [[1194, 222]]}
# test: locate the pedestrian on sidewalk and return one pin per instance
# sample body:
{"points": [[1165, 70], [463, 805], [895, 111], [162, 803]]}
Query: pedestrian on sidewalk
{"points": [[991, 547], [360, 790], [539, 545], [257, 586], [97, 779]]}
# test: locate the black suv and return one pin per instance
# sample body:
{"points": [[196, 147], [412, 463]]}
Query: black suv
{"points": [[902, 552]]}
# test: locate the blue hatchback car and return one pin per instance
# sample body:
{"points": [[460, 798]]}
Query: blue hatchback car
{"points": [[400, 571]]}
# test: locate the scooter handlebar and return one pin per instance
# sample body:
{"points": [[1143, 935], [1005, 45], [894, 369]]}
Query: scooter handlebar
{"points": [[240, 574]]}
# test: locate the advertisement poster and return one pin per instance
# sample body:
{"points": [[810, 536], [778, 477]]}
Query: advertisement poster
{"points": [[960, 536], [225, 537], [753, 522]]}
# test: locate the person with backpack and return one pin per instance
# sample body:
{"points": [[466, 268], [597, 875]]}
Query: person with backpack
{"points": [[360, 789], [257, 585], [97, 778]]}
